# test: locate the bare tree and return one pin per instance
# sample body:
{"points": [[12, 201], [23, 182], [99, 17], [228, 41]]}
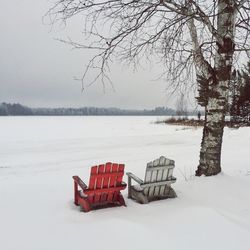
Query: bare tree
{"points": [[189, 37]]}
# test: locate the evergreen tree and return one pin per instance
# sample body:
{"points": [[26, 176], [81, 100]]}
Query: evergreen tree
{"points": [[240, 97]]}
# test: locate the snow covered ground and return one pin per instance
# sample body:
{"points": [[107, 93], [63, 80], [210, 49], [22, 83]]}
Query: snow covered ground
{"points": [[39, 155]]}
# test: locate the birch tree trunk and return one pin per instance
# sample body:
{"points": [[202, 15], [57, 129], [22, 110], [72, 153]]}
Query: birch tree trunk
{"points": [[210, 153]]}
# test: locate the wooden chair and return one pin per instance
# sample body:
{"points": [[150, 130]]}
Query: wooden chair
{"points": [[156, 184], [104, 188]]}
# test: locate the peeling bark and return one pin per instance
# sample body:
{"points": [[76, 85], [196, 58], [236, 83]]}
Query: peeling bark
{"points": [[211, 145]]}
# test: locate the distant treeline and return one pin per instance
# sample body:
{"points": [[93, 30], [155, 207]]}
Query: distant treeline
{"points": [[7, 109]]}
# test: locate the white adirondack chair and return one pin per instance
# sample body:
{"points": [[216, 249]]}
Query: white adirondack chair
{"points": [[157, 182]]}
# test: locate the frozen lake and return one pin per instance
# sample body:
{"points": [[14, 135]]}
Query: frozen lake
{"points": [[39, 155], [33, 144]]}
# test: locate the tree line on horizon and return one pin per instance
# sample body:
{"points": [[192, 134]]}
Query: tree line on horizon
{"points": [[8, 109]]}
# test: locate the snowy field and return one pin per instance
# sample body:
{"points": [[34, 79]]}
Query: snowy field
{"points": [[39, 155]]}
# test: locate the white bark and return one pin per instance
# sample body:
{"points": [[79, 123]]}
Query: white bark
{"points": [[201, 65], [210, 154]]}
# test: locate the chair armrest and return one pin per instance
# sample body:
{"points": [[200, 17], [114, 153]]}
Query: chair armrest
{"points": [[78, 180], [123, 185], [135, 178], [82, 194], [173, 179]]}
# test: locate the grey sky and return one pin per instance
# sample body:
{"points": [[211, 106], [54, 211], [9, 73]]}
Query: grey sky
{"points": [[37, 70]]}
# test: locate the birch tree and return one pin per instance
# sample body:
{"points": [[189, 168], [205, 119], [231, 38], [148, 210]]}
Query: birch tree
{"points": [[190, 38]]}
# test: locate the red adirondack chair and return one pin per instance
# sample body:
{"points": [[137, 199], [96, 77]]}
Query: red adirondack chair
{"points": [[104, 188]]}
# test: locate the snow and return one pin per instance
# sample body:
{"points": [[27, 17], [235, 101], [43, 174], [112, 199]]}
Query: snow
{"points": [[39, 155]]}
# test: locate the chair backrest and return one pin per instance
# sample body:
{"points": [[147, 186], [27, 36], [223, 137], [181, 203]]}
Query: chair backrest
{"points": [[106, 176], [158, 170], [102, 178]]}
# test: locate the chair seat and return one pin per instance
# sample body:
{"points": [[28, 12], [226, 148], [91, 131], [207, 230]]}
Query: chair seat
{"points": [[137, 188]]}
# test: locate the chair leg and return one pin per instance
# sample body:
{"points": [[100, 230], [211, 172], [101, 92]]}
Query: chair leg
{"points": [[171, 193], [129, 187], [139, 196], [84, 204], [121, 200], [142, 199]]}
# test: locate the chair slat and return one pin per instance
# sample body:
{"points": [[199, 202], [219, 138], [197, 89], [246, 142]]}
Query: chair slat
{"points": [[147, 179], [160, 167], [162, 161], [103, 175], [121, 173], [92, 183], [158, 178], [112, 182], [110, 196], [91, 198], [156, 162], [153, 179], [170, 173], [107, 178], [104, 197], [92, 179], [104, 190], [155, 184], [164, 178], [120, 170], [113, 178], [99, 183], [115, 195]]}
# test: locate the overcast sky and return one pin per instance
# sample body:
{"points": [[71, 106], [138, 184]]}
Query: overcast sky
{"points": [[38, 71]]}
